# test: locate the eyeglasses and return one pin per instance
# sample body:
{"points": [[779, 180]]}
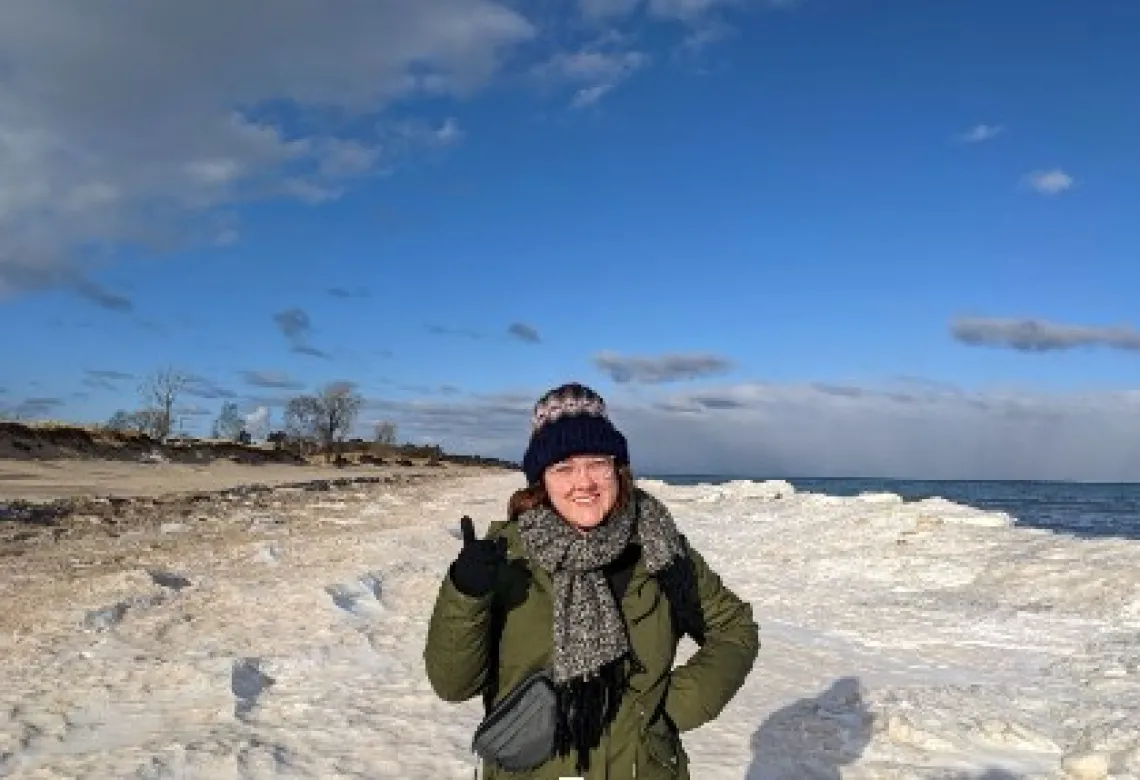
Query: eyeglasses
{"points": [[598, 469]]}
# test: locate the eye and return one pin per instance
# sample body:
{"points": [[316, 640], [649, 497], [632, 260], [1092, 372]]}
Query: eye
{"points": [[599, 467]]}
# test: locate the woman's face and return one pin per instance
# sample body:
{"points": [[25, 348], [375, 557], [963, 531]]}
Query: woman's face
{"points": [[583, 489]]}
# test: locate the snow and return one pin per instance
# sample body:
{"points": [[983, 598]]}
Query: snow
{"points": [[899, 640]]}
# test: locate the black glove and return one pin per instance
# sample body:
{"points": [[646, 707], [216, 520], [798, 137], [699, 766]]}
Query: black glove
{"points": [[475, 568]]}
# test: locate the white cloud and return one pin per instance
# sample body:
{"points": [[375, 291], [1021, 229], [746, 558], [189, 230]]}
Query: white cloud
{"points": [[588, 96], [906, 428], [983, 132], [257, 422], [1051, 182], [596, 69], [418, 134], [129, 120], [343, 157], [448, 133], [705, 34], [596, 65]]}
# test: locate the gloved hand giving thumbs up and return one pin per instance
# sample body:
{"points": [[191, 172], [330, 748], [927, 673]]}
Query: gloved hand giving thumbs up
{"points": [[474, 570]]}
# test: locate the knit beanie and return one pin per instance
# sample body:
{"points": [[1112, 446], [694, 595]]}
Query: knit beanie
{"points": [[570, 420]]}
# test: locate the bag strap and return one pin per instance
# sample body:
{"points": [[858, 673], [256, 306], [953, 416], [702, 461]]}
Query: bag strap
{"points": [[494, 639]]}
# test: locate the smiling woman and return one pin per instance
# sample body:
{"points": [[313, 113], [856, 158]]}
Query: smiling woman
{"points": [[568, 615], [583, 489]]}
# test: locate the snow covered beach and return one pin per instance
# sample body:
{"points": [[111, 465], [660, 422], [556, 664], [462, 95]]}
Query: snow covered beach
{"points": [[899, 640]]}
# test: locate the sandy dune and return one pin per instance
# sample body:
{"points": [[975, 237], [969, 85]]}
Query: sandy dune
{"points": [[52, 479]]}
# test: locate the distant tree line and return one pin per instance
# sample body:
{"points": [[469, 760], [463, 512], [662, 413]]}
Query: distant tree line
{"points": [[314, 423]]}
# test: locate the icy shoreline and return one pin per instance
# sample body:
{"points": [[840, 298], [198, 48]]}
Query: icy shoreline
{"points": [[899, 640]]}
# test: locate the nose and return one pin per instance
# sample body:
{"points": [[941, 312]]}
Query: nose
{"points": [[583, 477]]}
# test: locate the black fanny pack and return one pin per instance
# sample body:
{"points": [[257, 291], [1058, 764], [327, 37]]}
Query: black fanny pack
{"points": [[518, 732]]}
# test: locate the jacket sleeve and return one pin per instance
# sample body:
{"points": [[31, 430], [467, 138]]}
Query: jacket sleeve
{"points": [[457, 651], [700, 688], [455, 654]]}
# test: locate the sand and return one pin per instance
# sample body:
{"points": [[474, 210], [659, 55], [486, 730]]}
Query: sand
{"points": [[55, 479]]}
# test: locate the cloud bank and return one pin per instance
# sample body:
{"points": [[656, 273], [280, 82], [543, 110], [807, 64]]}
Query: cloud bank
{"points": [[909, 428], [138, 122]]}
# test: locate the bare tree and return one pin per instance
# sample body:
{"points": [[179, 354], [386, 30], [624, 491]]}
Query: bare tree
{"points": [[230, 424], [140, 421], [159, 392], [385, 432], [120, 421], [325, 417]]}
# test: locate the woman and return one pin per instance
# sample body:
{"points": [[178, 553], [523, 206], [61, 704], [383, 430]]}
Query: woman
{"points": [[590, 578]]}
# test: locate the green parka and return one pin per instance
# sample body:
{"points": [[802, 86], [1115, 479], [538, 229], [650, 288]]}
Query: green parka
{"points": [[640, 744]]}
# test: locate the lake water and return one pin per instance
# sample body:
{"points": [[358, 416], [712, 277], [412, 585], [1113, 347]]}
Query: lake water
{"points": [[1080, 509]]}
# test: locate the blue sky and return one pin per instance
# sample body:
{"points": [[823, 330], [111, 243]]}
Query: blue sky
{"points": [[807, 237]]}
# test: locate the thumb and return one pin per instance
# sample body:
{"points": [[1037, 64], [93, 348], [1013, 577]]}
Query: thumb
{"points": [[467, 527]]}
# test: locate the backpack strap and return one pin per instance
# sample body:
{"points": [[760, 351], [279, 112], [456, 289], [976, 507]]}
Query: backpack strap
{"points": [[678, 581], [494, 638]]}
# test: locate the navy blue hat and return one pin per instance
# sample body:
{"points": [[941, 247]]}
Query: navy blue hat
{"points": [[570, 420]]}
